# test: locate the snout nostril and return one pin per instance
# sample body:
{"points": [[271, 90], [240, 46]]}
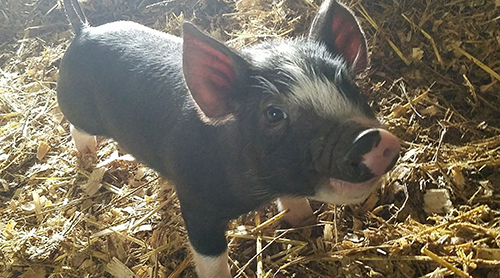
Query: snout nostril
{"points": [[353, 168], [391, 152], [388, 153], [373, 153]]}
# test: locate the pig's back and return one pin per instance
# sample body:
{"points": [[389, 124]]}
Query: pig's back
{"points": [[124, 81]]}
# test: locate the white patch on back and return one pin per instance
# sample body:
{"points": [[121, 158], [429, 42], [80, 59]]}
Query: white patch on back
{"points": [[315, 91], [211, 267]]}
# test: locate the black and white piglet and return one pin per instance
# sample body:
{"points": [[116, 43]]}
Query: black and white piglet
{"points": [[230, 129]]}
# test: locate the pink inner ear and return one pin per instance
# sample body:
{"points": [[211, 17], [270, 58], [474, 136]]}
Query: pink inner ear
{"points": [[349, 40], [210, 76]]}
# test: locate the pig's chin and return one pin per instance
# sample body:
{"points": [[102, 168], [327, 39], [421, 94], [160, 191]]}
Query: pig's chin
{"points": [[337, 192]]}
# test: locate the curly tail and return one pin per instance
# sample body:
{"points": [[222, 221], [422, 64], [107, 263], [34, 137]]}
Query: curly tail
{"points": [[75, 15]]}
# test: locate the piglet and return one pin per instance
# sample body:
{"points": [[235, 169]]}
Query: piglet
{"points": [[232, 130]]}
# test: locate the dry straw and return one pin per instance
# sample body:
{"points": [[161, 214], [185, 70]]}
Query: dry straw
{"points": [[434, 81]]}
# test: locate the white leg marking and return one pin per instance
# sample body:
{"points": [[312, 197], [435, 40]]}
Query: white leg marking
{"points": [[211, 267], [84, 142], [300, 212]]}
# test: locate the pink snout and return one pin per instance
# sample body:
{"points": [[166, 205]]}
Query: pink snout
{"points": [[382, 157], [372, 154]]}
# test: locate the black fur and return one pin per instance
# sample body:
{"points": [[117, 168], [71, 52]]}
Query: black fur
{"points": [[125, 81]]}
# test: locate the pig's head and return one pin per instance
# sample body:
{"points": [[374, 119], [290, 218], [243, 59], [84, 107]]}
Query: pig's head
{"points": [[291, 112]]}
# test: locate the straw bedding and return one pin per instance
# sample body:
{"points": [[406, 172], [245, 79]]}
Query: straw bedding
{"points": [[433, 81]]}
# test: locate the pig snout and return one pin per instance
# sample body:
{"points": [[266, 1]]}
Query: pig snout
{"points": [[372, 154]]}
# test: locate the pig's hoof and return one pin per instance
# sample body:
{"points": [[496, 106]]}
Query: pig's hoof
{"points": [[295, 222], [299, 211], [86, 160], [86, 146], [85, 143]]}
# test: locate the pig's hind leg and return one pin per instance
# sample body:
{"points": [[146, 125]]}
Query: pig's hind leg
{"points": [[299, 211], [85, 143]]}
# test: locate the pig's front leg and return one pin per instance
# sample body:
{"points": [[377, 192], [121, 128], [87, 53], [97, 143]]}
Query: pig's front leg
{"points": [[211, 267], [299, 211], [206, 234], [85, 143]]}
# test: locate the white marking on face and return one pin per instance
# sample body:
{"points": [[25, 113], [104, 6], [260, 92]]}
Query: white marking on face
{"points": [[314, 90], [283, 50], [211, 267], [286, 50]]}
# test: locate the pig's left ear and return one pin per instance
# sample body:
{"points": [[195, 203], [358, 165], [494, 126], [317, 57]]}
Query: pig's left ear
{"points": [[211, 71], [336, 26]]}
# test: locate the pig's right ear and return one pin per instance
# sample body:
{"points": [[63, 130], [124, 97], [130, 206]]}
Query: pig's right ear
{"points": [[211, 71], [336, 26]]}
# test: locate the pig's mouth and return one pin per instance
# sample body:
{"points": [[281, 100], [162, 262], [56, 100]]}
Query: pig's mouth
{"points": [[337, 192]]}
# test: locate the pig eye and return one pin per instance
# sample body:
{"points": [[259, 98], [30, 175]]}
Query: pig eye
{"points": [[275, 114]]}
